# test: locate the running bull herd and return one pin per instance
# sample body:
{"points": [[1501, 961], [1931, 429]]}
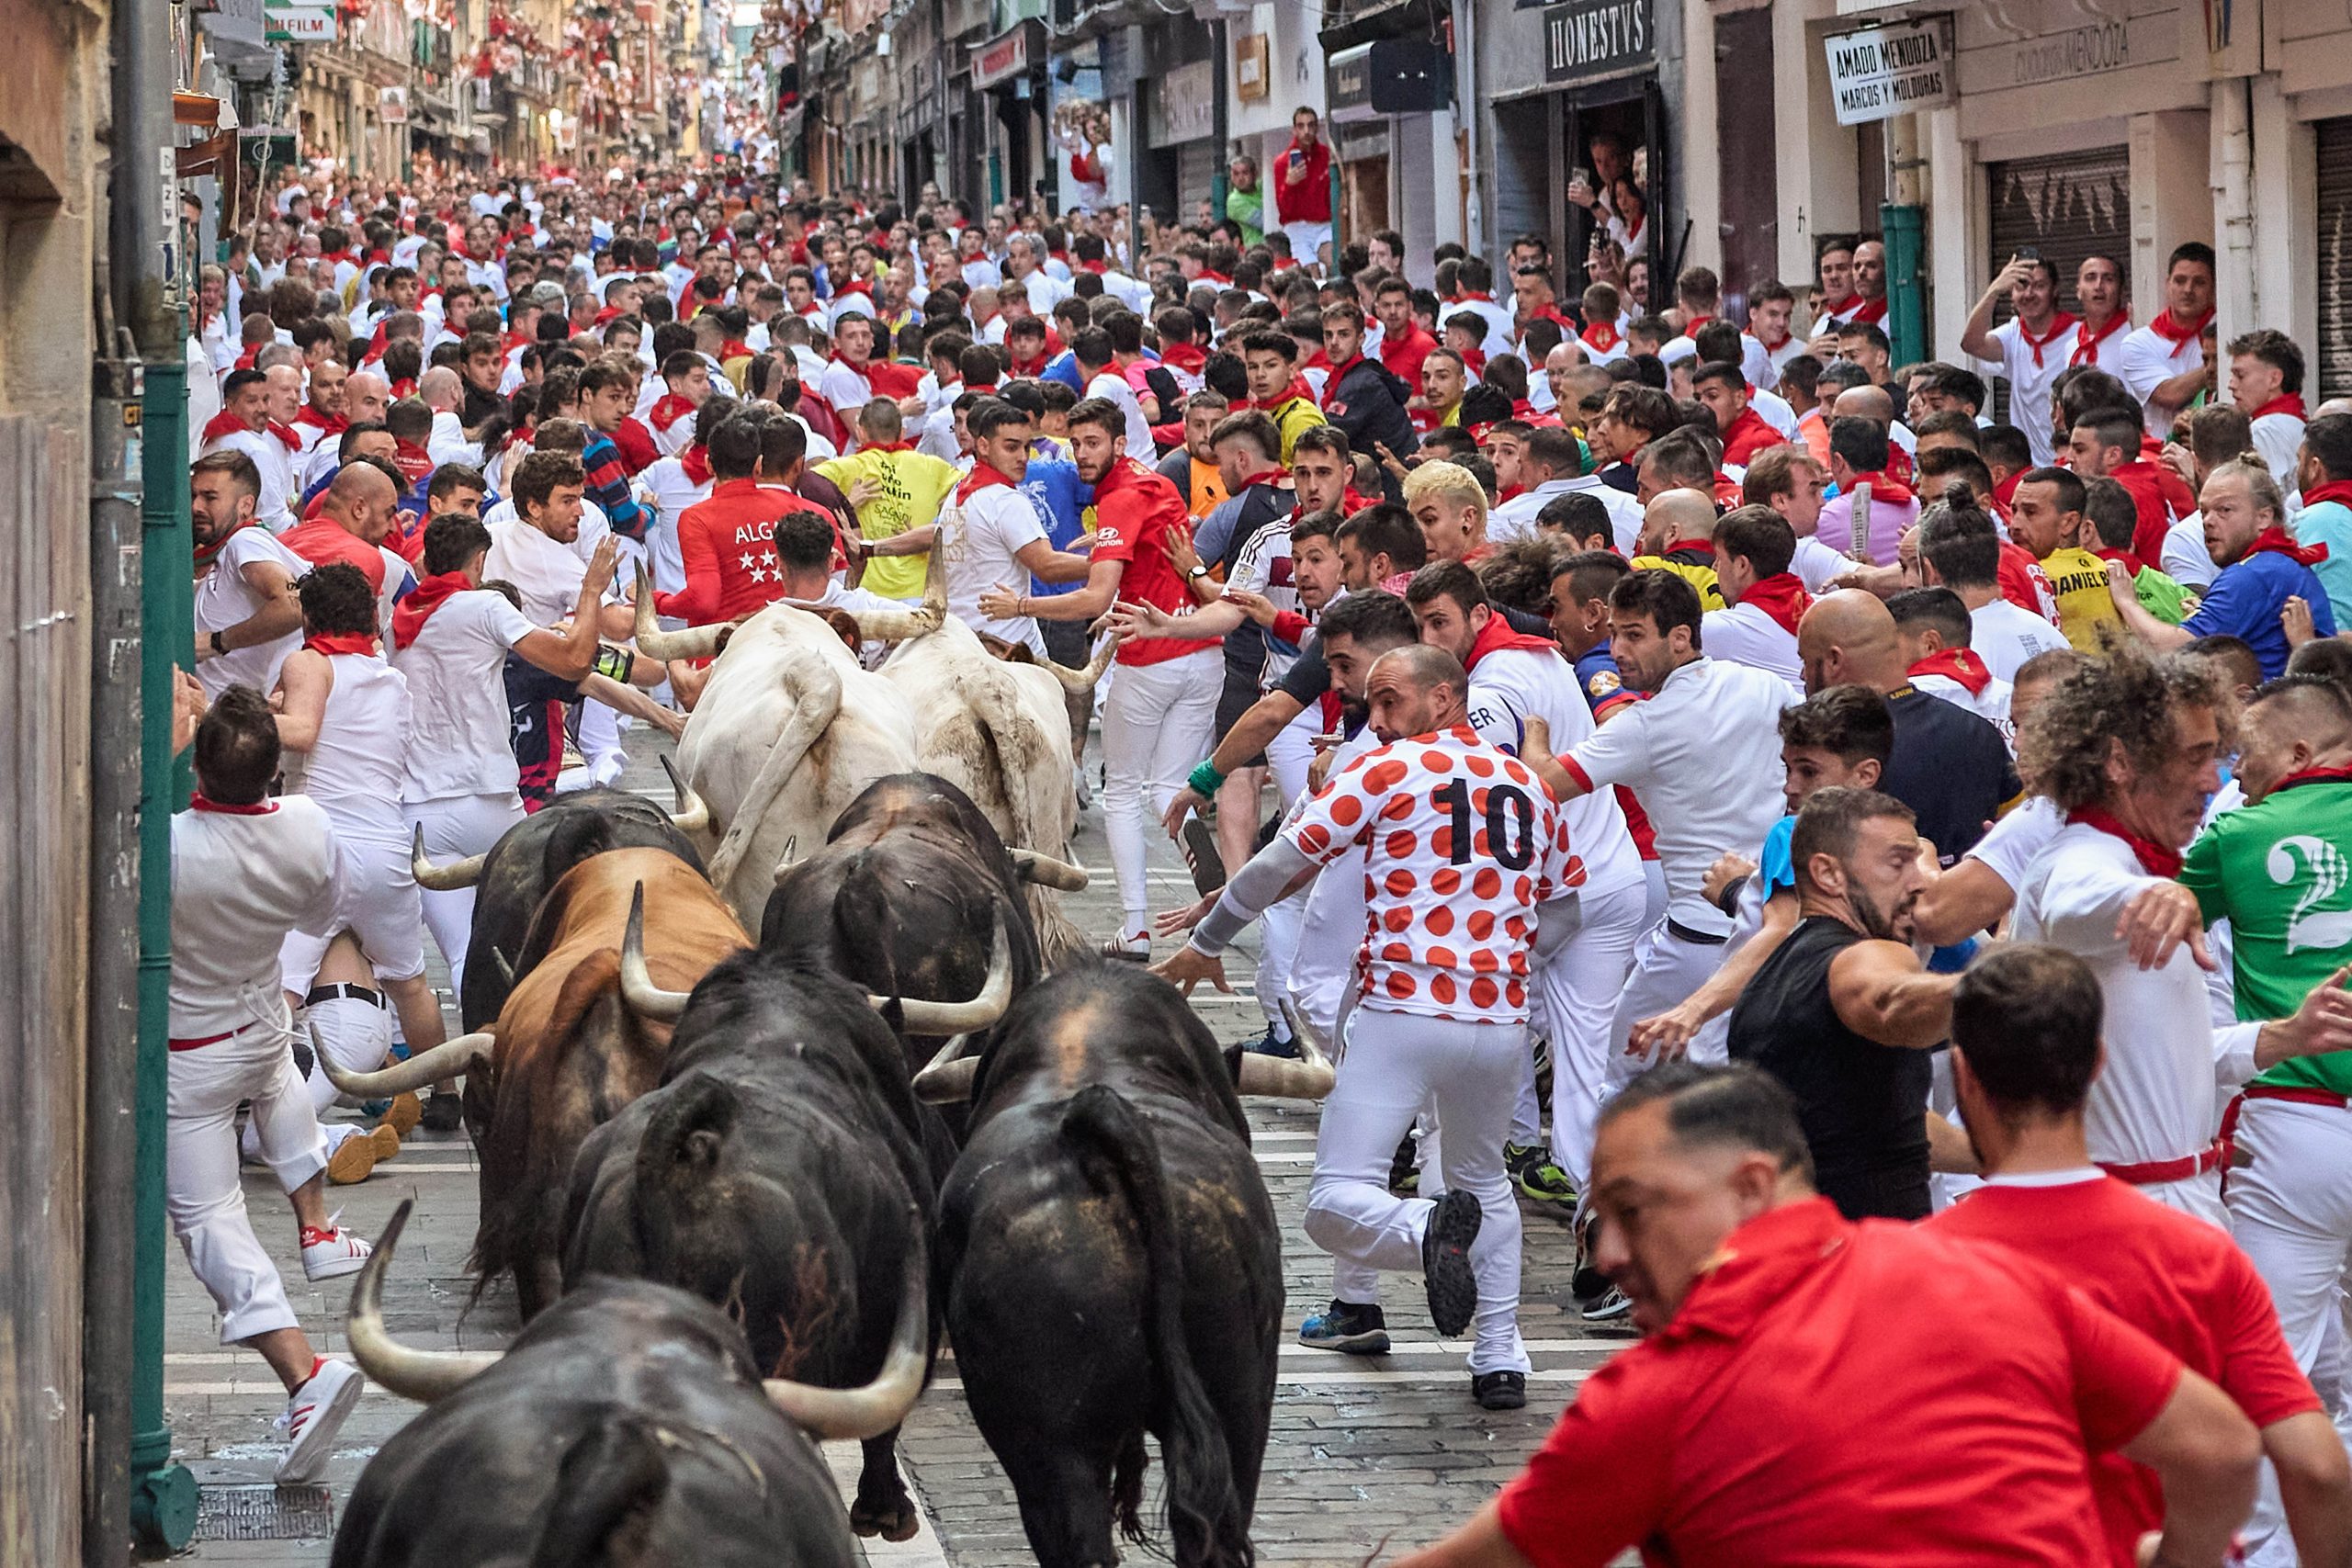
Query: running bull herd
{"points": [[745, 1189]]}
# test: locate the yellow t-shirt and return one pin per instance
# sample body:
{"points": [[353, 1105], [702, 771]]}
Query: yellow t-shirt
{"points": [[1703, 578], [2078, 580], [1291, 418], [914, 484]]}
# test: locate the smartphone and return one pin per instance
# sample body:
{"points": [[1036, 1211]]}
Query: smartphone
{"points": [[2029, 253]]}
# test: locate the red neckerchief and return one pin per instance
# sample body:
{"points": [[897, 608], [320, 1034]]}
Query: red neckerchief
{"points": [[1771, 346], [1874, 310], [245, 360], [2173, 332], [412, 460], [2132, 563], [1691, 328], [2154, 858], [2087, 342], [1600, 336], [668, 409], [984, 476], [1331, 383], [1298, 388], [331, 643], [2290, 403], [1839, 307], [1097, 267], [1273, 476], [2336, 491], [258, 808], [1481, 298], [2004, 495], [1475, 359], [339, 257], [1959, 664], [286, 437], [1497, 636], [2278, 541], [410, 613], [2058, 323], [225, 424], [1552, 313], [1027, 369], [205, 553], [510, 341], [2313, 775], [1884, 487], [325, 425], [694, 463], [1782, 597], [734, 348], [887, 447], [1189, 357]]}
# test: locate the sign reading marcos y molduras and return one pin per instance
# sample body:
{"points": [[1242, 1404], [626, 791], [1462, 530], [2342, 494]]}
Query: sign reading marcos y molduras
{"points": [[1883, 72]]}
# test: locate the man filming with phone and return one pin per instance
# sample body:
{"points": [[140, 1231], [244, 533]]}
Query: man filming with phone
{"points": [[1303, 195], [2025, 346]]}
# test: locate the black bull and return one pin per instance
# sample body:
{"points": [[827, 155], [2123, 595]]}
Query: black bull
{"points": [[779, 1172], [1109, 1265]]}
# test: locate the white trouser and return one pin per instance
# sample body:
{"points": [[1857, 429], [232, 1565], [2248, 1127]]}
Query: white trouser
{"points": [[2199, 1197], [1667, 969], [1395, 1061], [1576, 991], [1156, 724], [1291, 752], [201, 1192], [1323, 968], [2290, 1210], [456, 825], [1279, 929], [357, 1034], [379, 905]]}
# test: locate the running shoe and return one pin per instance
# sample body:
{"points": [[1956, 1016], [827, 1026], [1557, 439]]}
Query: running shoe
{"points": [[1348, 1327], [1201, 855], [1499, 1391], [331, 1253], [353, 1159], [1537, 1177], [1404, 1169], [1452, 1287], [1611, 1306], [312, 1415]]}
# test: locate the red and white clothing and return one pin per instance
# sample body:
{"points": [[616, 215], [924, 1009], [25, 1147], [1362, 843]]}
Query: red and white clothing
{"points": [[2182, 1284], [1958, 677], [727, 550], [2155, 354], [671, 420], [2032, 365], [675, 484], [2151, 1111], [1803, 1405], [2279, 435], [984, 529], [225, 598], [1760, 631], [273, 456]]}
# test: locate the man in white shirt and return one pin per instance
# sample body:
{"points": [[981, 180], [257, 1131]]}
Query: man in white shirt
{"points": [[1753, 548], [1550, 470], [2031, 348], [246, 871], [2266, 381], [1934, 629], [2164, 363], [247, 617], [2130, 747], [1097, 365], [994, 533], [246, 424], [1959, 550], [1787, 479]]}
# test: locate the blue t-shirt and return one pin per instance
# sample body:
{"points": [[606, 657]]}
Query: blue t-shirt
{"points": [[1064, 369], [1061, 499], [2330, 523], [1775, 864], [2244, 602], [1598, 679]]}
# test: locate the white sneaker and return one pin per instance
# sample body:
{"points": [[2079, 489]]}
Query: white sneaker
{"points": [[312, 1416], [333, 1252]]}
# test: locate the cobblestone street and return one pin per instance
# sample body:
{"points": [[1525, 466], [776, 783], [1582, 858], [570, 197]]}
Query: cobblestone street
{"points": [[1363, 1450]]}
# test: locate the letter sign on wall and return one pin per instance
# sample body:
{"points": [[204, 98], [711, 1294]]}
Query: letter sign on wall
{"points": [[1883, 72]]}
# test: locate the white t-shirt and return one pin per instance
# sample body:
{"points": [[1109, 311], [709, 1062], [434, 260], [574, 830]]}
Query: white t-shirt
{"points": [[2148, 359], [355, 767], [2031, 384], [241, 881], [548, 574], [224, 599], [1264, 567], [273, 508], [665, 481], [457, 683], [1746, 635], [1816, 565], [2279, 438], [2154, 1098], [2005, 636], [1110, 384], [1990, 705], [1508, 686], [985, 535], [846, 391], [2011, 845], [2186, 560], [1703, 755]]}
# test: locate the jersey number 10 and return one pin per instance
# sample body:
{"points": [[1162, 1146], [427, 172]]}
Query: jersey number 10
{"points": [[1510, 823]]}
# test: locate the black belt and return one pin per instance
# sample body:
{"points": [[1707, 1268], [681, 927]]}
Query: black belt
{"points": [[345, 991], [1681, 932]]}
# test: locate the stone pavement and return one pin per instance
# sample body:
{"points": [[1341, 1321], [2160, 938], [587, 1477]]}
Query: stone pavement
{"points": [[1362, 1449]]}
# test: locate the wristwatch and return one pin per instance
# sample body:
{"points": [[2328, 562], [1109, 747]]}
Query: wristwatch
{"points": [[1197, 573], [219, 648]]}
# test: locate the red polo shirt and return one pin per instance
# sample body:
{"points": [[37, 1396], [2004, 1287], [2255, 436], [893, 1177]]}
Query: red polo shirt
{"points": [[2178, 1279], [1404, 355], [1835, 1396], [1749, 434], [323, 539], [728, 543], [1135, 509]]}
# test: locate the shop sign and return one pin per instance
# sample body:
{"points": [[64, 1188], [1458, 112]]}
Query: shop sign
{"points": [[391, 106], [1006, 57], [290, 23], [1346, 80], [1880, 73], [1587, 39]]}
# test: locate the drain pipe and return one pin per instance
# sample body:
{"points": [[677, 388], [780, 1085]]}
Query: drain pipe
{"points": [[2234, 208], [1474, 212]]}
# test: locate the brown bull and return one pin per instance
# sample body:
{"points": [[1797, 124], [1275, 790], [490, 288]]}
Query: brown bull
{"points": [[580, 1036]]}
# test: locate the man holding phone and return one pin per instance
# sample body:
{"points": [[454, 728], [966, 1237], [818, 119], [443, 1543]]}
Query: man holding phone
{"points": [[2027, 346], [1303, 195]]}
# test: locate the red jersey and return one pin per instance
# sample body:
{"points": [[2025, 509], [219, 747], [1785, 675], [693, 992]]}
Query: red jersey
{"points": [[322, 540], [635, 444], [729, 545], [2176, 1278], [1832, 1394], [1135, 509], [2023, 582], [1749, 434], [1404, 355], [2146, 480]]}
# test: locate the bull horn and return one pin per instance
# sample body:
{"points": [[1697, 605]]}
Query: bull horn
{"points": [[1046, 871], [957, 1017], [422, 1375], [833, 1414], [645, 998], [693, 814], [505, 968], [897, 625], [452, 877], [948, 1080], [1309, 1077], [1084, 679], [444, 1061], [695, 642]]}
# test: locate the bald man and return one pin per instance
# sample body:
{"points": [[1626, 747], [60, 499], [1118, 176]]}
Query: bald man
{"points": [[1679, 535], [366, 396], [1949, 766], [354, 516], [442, 391], [1442, 1019]]}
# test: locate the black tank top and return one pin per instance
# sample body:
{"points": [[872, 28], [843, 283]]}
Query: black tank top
{"points": [[1863, 1104]]}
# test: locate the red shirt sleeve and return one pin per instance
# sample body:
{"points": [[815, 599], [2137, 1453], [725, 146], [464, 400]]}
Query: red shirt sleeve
{"points": [[1601, 1480], [697, 603], [2257, 1369], [1291, 627], [2122, 1378]]}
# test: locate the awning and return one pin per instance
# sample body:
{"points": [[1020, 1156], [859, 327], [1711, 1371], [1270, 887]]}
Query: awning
{"points": [[1380, 19]]}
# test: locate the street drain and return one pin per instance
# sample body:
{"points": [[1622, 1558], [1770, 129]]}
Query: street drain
{"points": [[264, 1513]]}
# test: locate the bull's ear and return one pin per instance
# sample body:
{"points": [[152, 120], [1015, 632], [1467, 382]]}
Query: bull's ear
{"points": [[1232, 1055], [845, 627]]}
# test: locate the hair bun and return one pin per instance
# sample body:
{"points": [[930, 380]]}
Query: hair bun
{"points": [[2253, 459], [1959, 495]]}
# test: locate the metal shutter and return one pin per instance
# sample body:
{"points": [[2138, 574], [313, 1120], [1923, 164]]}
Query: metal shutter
{"points": [[2334, 367], [1195, 172], [2068, 204]]}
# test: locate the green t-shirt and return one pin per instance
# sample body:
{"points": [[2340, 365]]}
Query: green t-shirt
{"points": [[913, 486], [2281, 873], [1247, 208], [2162, 597]]}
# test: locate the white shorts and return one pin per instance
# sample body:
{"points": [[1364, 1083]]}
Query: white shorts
{"points": [[1307, 241], [380, 904]]}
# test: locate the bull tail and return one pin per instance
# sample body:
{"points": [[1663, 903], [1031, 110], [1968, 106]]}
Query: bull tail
{"points": [[1205, 1514], [681, 1143], [610, 1485]]}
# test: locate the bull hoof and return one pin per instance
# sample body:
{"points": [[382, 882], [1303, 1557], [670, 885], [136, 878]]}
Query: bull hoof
{"points": [[892, 1520]]}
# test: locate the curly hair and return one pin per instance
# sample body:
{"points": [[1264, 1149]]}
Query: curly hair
{"points": [[2124, 699], [1519, 574]]}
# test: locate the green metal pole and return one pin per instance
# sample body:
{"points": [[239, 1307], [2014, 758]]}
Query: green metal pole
{"points": [[1339, 209], [1905, 229]]}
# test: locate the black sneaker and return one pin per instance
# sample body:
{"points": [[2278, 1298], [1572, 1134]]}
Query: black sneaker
{"points": [[1499, 1391], [1538, 1179], [1269, 1044], [1612, 1307], [1348, 1327], [1445, 1261], [1202, 856], [1404, 1171], [1586, 1282]]}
